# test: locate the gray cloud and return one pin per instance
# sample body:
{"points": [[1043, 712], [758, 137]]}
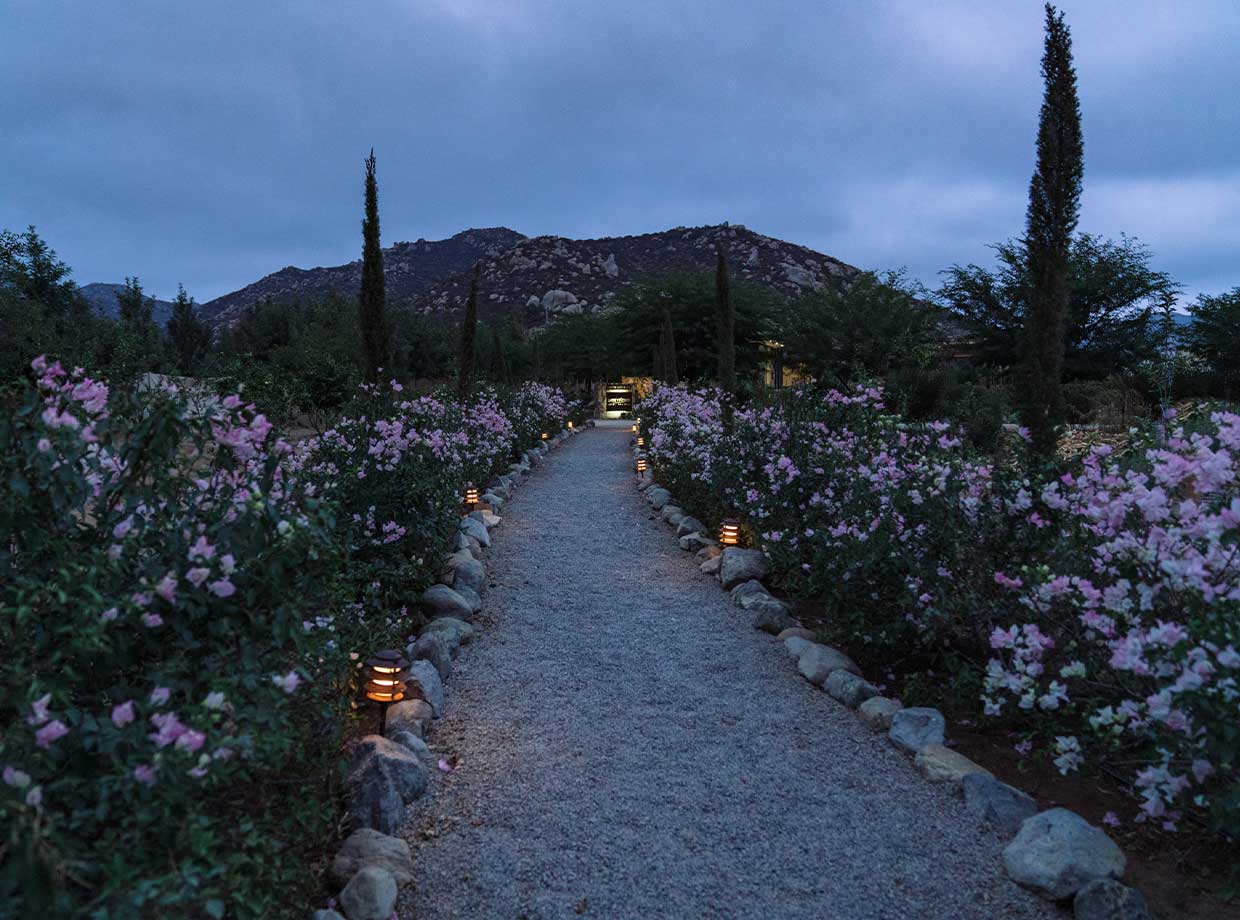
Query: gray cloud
{"points": [[212, 143]]}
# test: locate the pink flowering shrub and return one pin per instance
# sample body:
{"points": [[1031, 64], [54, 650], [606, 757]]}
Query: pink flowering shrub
{"points": [[182, 598], [1099, 611]]}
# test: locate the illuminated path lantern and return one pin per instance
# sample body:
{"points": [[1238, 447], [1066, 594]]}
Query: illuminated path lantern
{"points": [[387, 672]]}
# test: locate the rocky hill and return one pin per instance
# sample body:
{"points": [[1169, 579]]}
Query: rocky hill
{"points": [[539, 278], [102, 298], [409, 269]]}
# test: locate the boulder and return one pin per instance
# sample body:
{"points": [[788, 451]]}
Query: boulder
{"points": [[643, 485], [326, 915], [708, 552], [799, 631], [487, 519], [670, 511], [370, 895], [941, 764], [795, 646], [442, 601], [877, 712], [997, 803], [455, 632], [674, 519], [417, 747], [658, 497], [424, 684], [432, 647], [748, 589], [1107, 899], [817, 662], [770, 616], [848, 688], [1057, 853], [471, 574], [411, 715], [694, 542], [913, 729], [494, 500], [741, 565], [472, 527], [383, 776], [689, 524], [710, 566], [367, 847], [471, 597]]}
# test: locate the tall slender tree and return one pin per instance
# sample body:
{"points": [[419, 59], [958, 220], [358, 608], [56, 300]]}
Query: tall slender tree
{"points": [[726, 319], [668, 340], [469, 332], [372, 299], [1051, 218], [188, 336], [499, 358]]}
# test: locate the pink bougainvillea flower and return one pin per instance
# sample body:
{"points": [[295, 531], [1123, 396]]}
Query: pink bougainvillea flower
{"points": [[34, 798], [109, 615], [122, 714], [167, 588], [191, 740], [151, 620], [144, 773], [160, 695], [39, 710], [223, 588], [50, 732], [19, 779], [197, 576], [1111, 819], [287, 682]]}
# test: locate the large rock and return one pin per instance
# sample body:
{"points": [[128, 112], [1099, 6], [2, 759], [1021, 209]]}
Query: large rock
{"points": [[674, 519], [658, 497], [370, 895], [689, 524], [913, 729], [848, 688], [713, 551], [415, 746], [1107, 899], [412, 715], [742, 565], [795, 646], [455, 632], [771, 616], [671, 511], [494, 500], [1057, 853], [383, 776], [487, 519], [424, 684], [711, 566], [748, 589], [878, 711], [368, 847], [472, 527], [432, 647], [442, 601], [694, 542], [798, 631], [997, 803], [471, 575], [941, 764], [471, 597], [817, 662]]}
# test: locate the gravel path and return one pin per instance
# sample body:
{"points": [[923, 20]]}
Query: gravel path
{"points": [[631, 747]]}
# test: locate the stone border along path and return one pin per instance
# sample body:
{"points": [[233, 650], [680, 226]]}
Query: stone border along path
{"points": [[628, 746]]}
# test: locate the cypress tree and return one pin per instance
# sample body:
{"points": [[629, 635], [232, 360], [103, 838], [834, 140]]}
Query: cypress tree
{"points": [[499, 360], [1051, 218], [725, 318], [468, 332], [372, 297], [188, 336], [668, 339], [656, 358]]}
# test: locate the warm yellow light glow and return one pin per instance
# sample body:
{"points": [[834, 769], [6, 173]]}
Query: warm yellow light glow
{"points": [[641, 466], [570, 426], [545, 435], [633, 429], [471, 496], [386, 677], [730, 533]]}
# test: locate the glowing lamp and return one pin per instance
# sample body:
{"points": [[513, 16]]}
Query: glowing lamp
{"points": [[472, 498], [641, 466], [641, 442], [730, 533], [570, 424], [633, 429], [387, 672]]}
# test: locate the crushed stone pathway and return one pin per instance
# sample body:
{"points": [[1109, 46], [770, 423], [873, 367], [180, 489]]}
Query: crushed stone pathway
{"points": [[630, 747]]}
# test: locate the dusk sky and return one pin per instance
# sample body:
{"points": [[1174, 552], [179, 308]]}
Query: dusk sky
{"points": [[213, 143]]}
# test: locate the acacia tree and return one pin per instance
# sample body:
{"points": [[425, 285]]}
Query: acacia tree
{"points": [[469, 330], [372, 306], [1051, 218]]}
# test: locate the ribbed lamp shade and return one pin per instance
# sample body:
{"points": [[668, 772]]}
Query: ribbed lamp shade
{"points": [[386, 674], [730, 533]]}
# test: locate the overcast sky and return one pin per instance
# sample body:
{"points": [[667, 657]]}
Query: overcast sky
{"points": [[211, 143]]}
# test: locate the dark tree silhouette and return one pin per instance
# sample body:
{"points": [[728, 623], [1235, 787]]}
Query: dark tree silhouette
{"points": [[469, 331], [372, 306], [1054, 207]]}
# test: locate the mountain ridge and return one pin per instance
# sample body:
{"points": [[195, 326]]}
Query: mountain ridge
{"points": [[535, 279]]}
